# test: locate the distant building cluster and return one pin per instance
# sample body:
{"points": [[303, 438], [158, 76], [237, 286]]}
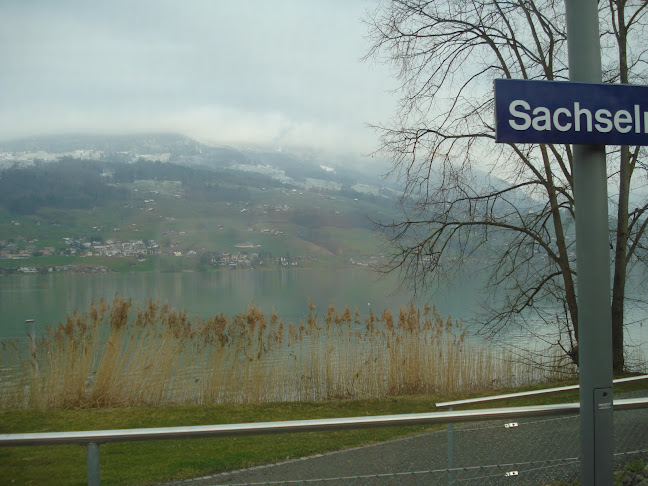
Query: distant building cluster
{"points": [[75, 268], [80, 247], [251, 260], [372, 261], [113, 248], [9, 250]]}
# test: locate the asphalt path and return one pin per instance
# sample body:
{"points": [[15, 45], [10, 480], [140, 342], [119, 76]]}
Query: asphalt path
{"points": [[533, 451]]}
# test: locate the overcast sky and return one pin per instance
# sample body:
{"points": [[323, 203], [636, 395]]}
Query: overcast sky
{"points": [[279, 73]]}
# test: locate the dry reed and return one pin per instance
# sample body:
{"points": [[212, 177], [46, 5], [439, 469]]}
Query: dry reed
{"points": [[119, 355]]}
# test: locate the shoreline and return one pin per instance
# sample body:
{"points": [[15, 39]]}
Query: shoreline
{"points": [[32, 267]]}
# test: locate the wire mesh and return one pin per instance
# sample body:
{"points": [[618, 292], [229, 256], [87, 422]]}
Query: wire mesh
{"points": [[542, 452]]}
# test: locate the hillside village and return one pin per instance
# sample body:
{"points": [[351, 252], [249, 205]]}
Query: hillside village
{"points": [[137, 249], [247, 255]]}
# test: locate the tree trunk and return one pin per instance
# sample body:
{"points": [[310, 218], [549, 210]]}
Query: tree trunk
{"points": [[621, 245], [620, 262], [570, 288]]}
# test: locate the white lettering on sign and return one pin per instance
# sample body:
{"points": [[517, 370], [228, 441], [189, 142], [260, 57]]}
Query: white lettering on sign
{"points": [[603, 122], [580, 119], [519, 114]]}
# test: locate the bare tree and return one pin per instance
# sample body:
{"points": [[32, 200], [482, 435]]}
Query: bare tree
{"points": [[455, 204]]}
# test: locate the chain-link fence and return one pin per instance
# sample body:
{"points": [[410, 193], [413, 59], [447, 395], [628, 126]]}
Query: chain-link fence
{"points": [[532, 451]]}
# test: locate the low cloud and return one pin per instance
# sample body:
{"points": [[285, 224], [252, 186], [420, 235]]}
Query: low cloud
{"points": [[255, 73], [224, 126], [212, 125]]}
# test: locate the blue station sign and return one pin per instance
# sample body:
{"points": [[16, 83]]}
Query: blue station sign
{"points": [[570, 113]]}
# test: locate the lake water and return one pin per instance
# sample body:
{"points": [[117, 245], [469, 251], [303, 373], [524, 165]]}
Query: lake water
{"points": [[49, 298]]}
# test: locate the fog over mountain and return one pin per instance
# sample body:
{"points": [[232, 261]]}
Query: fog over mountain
{"points": [[295, 168]]}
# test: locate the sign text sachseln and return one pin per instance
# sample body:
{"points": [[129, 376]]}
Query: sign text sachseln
{"points": [[572, 113]]}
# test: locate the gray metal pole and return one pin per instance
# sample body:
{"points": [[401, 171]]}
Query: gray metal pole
{"points": [[92, 460], [593, 262]]}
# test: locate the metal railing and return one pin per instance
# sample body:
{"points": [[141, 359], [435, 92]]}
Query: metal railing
{"points": [[93, 439], [544, 391], [472, 401]]}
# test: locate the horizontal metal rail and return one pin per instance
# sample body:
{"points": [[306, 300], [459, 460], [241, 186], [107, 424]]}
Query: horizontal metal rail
{"points": [[261, 428], [545, 391]]}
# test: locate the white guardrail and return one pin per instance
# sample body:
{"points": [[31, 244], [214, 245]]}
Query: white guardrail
{"points": [[544, 391], [93, 439]]}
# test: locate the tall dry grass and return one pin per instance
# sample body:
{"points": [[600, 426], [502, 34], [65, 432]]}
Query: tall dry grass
{"points": [[120, 355]]}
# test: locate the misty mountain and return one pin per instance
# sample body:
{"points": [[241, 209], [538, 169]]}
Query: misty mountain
{"points": [[205, 170], [61, 144], [137, 143], [291, 168]]}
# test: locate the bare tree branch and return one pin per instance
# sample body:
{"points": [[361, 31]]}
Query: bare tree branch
{"points": [[517, 222]]}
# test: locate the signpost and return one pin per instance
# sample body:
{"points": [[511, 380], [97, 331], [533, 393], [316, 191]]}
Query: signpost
{"points": [[589, 115], [593, 262]]}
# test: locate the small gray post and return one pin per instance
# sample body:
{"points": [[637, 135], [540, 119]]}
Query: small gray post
{"points": [[94, 473], [31, 337], [450, 440], [593, 262]]}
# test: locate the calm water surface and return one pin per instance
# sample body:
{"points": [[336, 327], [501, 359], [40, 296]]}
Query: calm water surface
{"points": [[49, 298]]}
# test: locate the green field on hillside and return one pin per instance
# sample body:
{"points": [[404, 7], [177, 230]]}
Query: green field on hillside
{"points": [[312, 225]]}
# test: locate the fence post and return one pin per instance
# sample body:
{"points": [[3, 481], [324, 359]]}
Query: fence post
{"points": [[94, 473], [450, 440]]}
